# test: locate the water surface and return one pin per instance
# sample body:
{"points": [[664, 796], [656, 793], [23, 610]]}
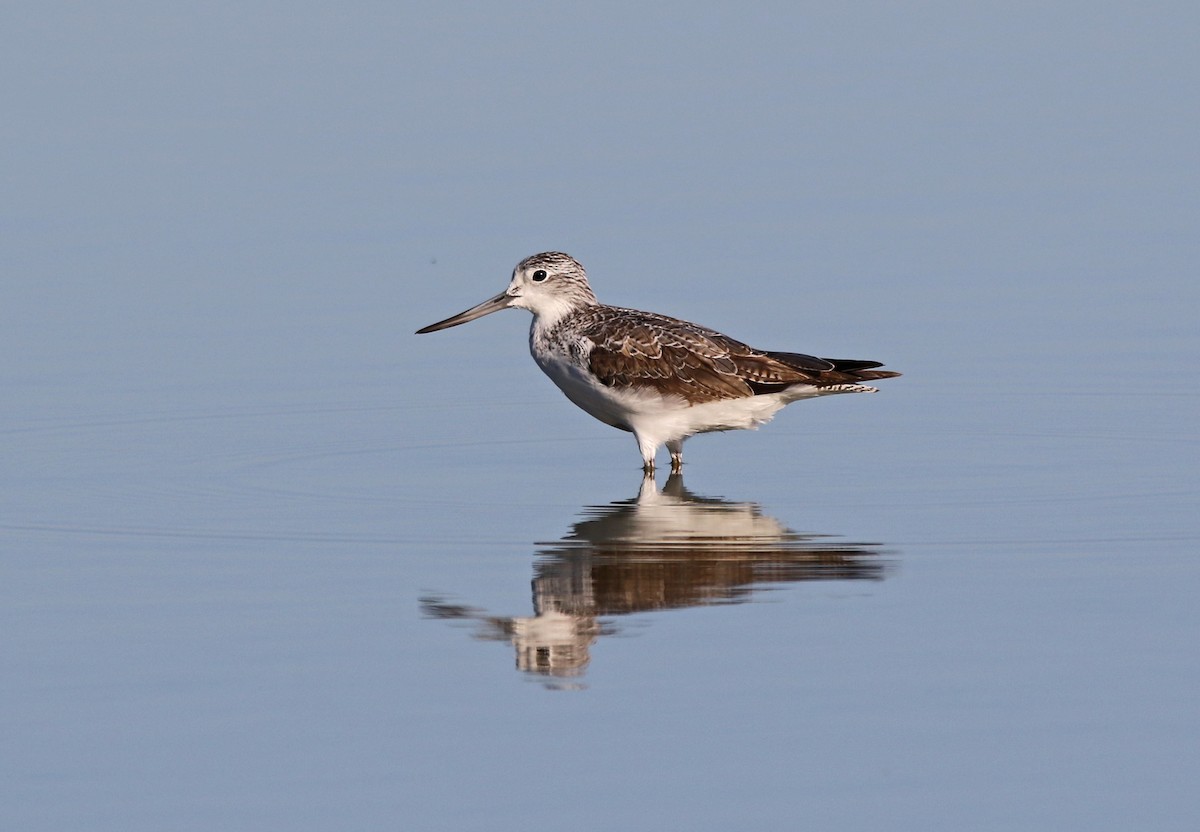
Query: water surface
{"points": [[273, 562]]}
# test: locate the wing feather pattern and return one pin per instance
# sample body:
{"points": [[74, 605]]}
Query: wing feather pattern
{"points": [[642, 349]]}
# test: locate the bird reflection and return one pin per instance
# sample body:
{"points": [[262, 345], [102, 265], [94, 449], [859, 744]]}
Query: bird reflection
{"points": [[665, 549]]}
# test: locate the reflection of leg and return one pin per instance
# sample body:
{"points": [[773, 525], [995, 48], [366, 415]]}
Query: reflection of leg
{"points": [[675, 446], [648, 488], [673, 487]]}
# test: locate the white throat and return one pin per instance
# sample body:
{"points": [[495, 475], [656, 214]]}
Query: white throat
{"points": [[547, 309]]}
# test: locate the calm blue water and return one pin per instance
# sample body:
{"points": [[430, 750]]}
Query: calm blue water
{"points": [[270, 561]]}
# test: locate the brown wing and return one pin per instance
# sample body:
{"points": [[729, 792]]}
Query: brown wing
{"points": [[640, 349]]}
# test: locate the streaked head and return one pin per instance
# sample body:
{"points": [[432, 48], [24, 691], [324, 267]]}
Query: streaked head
{"points": [[549, 285]]}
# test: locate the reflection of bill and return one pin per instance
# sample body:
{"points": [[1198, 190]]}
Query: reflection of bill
{"points": [[660, 550]]}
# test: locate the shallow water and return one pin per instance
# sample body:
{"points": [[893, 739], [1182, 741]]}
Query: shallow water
{"points": [[302, 612], [273, 562]]}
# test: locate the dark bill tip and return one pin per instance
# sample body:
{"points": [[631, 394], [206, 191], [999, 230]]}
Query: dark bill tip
{"points": [[486, 308]]}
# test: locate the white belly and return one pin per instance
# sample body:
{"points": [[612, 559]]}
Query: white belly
{"points": [[649, 413]]}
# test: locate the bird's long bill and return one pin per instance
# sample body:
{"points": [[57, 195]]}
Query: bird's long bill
{"points": [[486, 308]]}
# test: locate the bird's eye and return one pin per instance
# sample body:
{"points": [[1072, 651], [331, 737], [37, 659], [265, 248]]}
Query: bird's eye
{"points": [[539, 275]]}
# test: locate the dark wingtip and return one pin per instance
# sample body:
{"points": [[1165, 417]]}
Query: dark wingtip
{"points": [[872, 375], [800, 361], [861, 370], [851, 364]]}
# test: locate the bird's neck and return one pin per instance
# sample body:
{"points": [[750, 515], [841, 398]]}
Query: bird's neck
{"points": [[552, 312]]}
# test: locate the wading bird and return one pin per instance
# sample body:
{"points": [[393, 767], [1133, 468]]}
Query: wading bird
{"points": [[660, 378]]}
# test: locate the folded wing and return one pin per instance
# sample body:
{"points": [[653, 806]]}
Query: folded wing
{"points": [[633, 349]]}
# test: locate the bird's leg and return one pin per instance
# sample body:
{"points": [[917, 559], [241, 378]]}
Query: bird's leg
{"points": [[676, 449], [648, 448]]}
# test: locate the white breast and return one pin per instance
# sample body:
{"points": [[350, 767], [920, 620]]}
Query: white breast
{"points": [[581, 387]]}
